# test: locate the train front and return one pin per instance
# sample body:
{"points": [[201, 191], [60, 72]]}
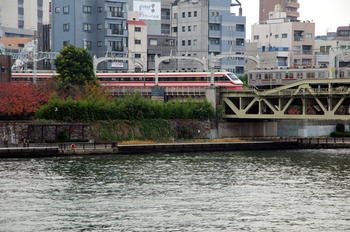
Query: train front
{"points": [[235, 82]]}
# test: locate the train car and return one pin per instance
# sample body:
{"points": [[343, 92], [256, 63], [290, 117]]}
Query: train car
{"points": [[271, 78], [170, 79], [165, 79]]}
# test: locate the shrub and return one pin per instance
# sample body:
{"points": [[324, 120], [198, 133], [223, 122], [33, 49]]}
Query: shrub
{"points": [[62, 135], [340, 127]]}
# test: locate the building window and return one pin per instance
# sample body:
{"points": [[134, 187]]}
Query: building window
{"points": [[99, 26], [99, 9], [65, 43], [239, 42], [195, 28], [183, 14], [153, 42], [115, 46], [66, 27], [116, 29], [194, 13], [87, 9], [239, 27], [137, 55], [213, 14], [189, 14], [116, 11], [189, 28], [189, 42], [276, 36], [194, 42], [87, 44], [308, 35], [137, 29], [99, 43], [297, 50], [87, 27], [174, 29], [137, 41], [57, 10], [256, 37], [183, 42], [65, 10], [284, 36], [183, 29], [175, 15]]}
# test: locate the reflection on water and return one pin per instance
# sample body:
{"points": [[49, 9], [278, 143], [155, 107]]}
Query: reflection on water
{"points": [[301, 190]]}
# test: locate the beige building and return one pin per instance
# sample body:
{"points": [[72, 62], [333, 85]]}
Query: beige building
{"points": [[294, 42], [289, 6], [137, 40], [21, 18]]}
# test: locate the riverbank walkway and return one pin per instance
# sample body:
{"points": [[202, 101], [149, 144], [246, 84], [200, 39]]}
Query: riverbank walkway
{"points": [[65, 149]]}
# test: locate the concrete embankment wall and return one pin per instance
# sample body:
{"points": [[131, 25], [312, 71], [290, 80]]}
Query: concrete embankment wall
{"points": [[14, 130], [308, 128]]}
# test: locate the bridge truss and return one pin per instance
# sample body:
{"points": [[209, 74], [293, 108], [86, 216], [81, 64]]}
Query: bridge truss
{"points": [[306, 99]]}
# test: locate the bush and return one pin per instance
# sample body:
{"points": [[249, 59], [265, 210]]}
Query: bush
{"points": [[340, 127], [62, 135], [340, 134]]}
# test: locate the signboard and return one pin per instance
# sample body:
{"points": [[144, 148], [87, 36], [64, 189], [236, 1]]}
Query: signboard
{"points": [[117, 65], [150, 10]]}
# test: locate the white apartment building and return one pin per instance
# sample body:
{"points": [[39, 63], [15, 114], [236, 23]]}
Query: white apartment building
{"points": [[137, 40], [294, 42], [19, 18]]}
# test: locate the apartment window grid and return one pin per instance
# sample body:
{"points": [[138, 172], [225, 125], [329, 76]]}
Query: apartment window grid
{"points": [[284, 36], [87, 9], [194, 13], [99, 43], [137, 55], [116, 11], [189, 28], [194, 42], [117, 29], [183, 29], [87, 26], [88, 45], [99, 9], [99, 26], [137, 29], [65, 10], [116, 46], [194, 27], [189, 14], [66, 27], [183, 14], [65, 43], [137, 41], [57, 10], [189, 42], [183, 42]]}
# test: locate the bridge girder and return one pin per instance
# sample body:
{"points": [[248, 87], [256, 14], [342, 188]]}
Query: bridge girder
{"points": [[299, 100]]}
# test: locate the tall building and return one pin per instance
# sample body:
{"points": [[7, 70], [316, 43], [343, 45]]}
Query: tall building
{"points": [[97, 25], [294, 42], [208, 27], [289, 6], [19, 18]]}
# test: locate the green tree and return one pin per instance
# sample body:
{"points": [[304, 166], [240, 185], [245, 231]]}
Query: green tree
{"points": [[244, 79], [75, 67]]}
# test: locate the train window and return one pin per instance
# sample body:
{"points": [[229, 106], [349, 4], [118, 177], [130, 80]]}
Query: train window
{"points": [[268, 76], [310, 75], [278, 75]]}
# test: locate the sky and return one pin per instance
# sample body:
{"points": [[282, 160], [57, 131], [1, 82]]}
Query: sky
{"points": [[327, 14]]}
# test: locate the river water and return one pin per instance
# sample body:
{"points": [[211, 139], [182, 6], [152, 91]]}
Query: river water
{"points": [[296, 190]]}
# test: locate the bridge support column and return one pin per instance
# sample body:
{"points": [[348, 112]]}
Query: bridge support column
{"points": [[212, 93]]}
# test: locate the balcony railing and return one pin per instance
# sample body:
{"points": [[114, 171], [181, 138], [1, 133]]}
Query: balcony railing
{"points": [[282, 64]]}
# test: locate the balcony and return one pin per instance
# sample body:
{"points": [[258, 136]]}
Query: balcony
{"points": [[293, 4], [214, 47], [284, 64], [293, 14], [213, 33]]}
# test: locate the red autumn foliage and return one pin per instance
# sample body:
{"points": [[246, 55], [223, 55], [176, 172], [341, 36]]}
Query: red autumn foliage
{"points": [[19, 98]]}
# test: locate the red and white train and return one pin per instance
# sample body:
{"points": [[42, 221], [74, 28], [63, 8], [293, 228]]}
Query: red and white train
{"points": [[165, 79]]}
